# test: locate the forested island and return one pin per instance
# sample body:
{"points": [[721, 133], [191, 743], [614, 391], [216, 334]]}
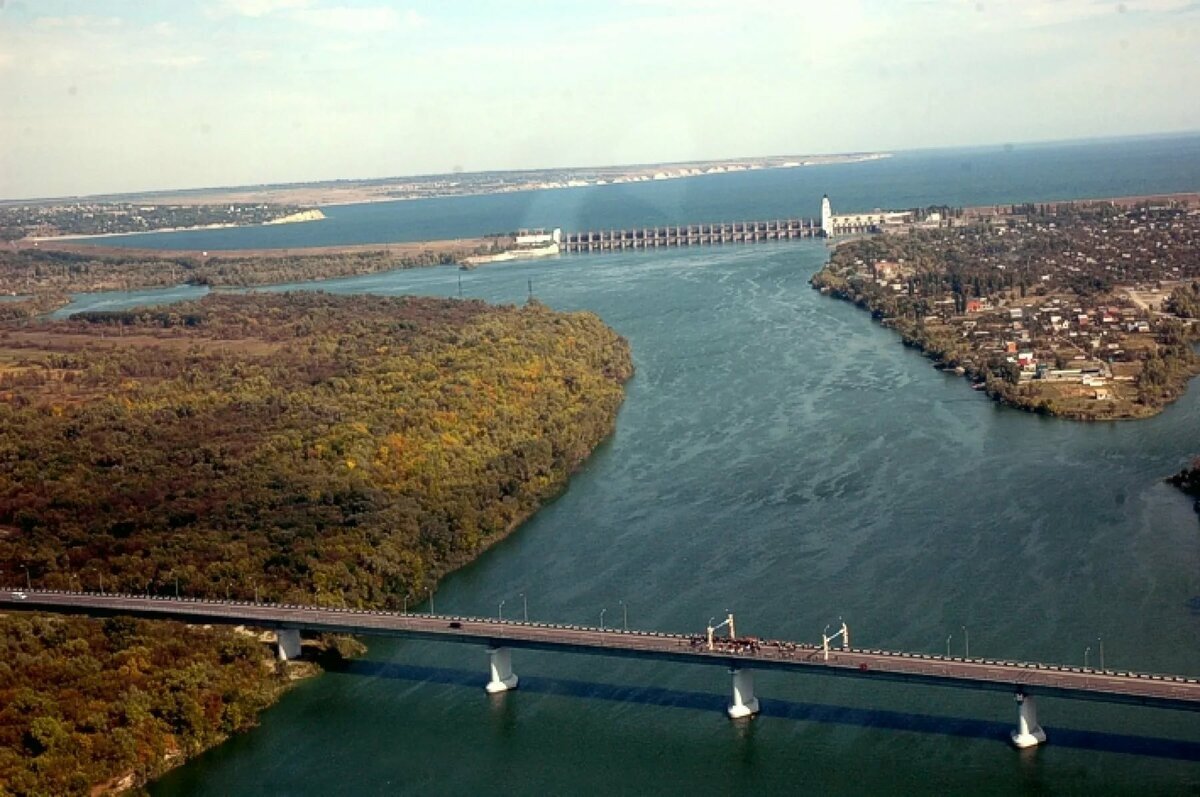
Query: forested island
{"points": [[1084, 311], [56, 271], [298, 447]]}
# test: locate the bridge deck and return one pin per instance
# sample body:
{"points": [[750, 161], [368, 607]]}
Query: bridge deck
{"points": [[1166, 691]]}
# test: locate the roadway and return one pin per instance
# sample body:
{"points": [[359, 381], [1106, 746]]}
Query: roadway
{"points": [[1165, 691]]}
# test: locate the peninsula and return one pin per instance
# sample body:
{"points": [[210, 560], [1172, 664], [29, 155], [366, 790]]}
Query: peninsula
{"points": [[80, 219], [293, 447], [1084, 310]]}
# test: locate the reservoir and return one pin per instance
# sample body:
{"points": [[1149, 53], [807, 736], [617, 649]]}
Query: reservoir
{"points": [[782, 457], [976, 176]]}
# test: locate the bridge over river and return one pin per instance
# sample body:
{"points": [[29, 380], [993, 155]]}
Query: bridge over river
{"points": [[741, 655]]}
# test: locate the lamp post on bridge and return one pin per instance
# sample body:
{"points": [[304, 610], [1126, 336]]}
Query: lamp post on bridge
{"points": [[948, 638], [602, 611], [500, 611], [1086, 651]]}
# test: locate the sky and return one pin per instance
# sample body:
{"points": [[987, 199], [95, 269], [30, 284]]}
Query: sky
{"points": [[101, 96]]}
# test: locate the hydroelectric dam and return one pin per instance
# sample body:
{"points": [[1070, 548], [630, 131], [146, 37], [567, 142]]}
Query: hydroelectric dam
{"points": [[828, 225]]}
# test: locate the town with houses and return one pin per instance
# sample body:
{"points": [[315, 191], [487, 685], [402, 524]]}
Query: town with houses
{"points": [[1085, 310]]}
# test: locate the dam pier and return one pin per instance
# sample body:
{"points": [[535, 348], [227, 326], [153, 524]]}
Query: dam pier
{"points": [[738, 232], [827, 225]]}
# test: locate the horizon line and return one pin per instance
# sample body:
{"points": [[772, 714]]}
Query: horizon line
{"points": [[117, 196]]}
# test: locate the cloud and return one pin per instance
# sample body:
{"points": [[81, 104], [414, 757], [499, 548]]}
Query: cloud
{"points": [[344, 19], [76, 22], [255, 56], [258, 8], [177, 61]]}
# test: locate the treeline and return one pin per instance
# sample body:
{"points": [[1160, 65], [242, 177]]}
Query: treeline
{"points": [[1188, 480], [287, 447], [1184, 301], [91, 218], [303, 447], [41, 271], [89, 705], [29, 307]]}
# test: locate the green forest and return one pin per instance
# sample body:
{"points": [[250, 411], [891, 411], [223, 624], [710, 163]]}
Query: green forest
{"points": [[90, 703], [57, 272], [295, 447]]}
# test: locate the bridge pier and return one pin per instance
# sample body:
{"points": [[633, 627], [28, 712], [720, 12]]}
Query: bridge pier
{"points": [[1028, 732], [503, 677], [287, 644], [744, 703]]}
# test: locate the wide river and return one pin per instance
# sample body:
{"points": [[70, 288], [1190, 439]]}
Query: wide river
{"points": [[781, 456]]}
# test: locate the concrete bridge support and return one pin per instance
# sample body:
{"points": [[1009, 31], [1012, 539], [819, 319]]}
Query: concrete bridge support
{"points": [[287, 644], [1028, 732], [744, 703], [503, 677]]}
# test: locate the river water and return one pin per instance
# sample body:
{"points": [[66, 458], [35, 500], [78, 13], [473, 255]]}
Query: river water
{"points": [[781, 456]]}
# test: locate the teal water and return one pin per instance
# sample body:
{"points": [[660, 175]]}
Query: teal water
{"points": [[780, 456], [976, 176]]}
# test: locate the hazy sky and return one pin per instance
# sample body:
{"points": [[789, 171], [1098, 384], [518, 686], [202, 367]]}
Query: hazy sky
{"points": [[112, 95]]}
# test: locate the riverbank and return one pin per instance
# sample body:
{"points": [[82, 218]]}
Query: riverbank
{"points": [[1040, 311], [402, 248], [343, 450], [59, 268]]}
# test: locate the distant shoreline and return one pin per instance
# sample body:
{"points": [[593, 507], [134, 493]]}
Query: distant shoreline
{"points": [[336, 193], [59, 244], [312, 214]]}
